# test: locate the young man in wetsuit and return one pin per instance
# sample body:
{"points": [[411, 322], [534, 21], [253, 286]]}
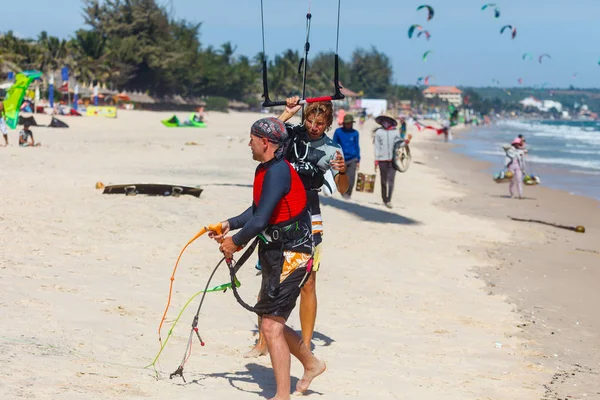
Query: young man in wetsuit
{"points": [[280, 217]]}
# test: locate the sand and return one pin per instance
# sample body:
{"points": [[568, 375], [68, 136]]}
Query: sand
{"points": [[404, 309]]}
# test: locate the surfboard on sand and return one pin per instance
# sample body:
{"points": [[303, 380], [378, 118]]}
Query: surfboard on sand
{"points": [[152, 189]]}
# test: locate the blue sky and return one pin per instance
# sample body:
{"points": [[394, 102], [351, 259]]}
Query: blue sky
{"points": [[466, 43]]}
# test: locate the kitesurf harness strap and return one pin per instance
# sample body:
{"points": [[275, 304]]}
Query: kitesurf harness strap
{"points": [[234, 267], [303, 63], [287, 231]]}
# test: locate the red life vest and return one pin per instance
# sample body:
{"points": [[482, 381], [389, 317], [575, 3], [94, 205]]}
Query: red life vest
{"points": [[291, 205]]}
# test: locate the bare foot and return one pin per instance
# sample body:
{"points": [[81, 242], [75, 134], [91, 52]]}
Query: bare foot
{"points": [[256, 352], [308, 377]]}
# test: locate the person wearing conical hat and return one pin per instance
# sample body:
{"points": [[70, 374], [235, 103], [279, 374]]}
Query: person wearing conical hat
{"points": [[386, 136]]}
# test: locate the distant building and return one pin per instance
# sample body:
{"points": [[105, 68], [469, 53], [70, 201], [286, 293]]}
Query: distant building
{"points": [[541, 105], [451, 94]]}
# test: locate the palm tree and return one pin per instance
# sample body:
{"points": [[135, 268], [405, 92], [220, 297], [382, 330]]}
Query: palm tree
{"points": [[54, 52], [90, 53]]}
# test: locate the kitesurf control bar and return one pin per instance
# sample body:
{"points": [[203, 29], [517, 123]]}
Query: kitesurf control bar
{"points": [[336, 96]]}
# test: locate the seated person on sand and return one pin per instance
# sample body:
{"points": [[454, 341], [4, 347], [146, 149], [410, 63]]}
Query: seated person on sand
{"points": [[24, 137], [199, 116]]}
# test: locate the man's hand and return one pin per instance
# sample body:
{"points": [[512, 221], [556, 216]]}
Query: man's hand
{"points": [[228, 247], [224, 231], [291, 108], [291, 105], [338, 163], [357, 166]]}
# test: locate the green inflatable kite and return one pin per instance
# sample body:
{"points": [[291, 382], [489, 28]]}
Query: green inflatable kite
{"points": [[15, 95], [174, 122]]}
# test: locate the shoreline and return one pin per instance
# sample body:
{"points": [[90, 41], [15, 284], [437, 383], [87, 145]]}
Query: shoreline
{"points": [[570, 178], [550, 275]]}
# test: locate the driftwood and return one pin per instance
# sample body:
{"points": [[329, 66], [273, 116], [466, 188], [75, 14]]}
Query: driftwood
{"points": [[588, 251], [579, 229]]}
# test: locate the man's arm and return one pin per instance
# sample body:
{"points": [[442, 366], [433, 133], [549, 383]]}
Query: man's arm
{"points": [[240, 220], [341, 179], [276, 185]]}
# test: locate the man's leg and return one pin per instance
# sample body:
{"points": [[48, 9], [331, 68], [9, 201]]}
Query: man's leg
{"points": [[308, 308], [5, 139], [313, 367], [352, 176], [391, 179], [384, 190], [283, 340], [273, 327], [260, 348]]}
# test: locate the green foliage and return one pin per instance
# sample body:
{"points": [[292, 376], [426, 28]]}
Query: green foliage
{"points": [[217, 103], [136, 45], [372, 72]]}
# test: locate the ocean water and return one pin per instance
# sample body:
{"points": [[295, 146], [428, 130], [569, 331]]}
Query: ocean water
{"points": [[565, 154]]}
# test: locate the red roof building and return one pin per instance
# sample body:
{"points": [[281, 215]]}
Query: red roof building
{"points": [[451, 94]]}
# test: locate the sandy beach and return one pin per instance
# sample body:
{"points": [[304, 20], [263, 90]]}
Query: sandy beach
{"points": [[441, 297]]}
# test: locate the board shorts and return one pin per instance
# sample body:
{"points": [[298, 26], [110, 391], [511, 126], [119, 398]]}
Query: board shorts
{"points": [[3, 127], [283, 275]]}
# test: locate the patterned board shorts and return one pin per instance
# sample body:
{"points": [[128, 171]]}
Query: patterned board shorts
{"points": [[283, 275]]}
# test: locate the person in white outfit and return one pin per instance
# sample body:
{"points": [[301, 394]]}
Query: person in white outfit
{"points": [[515, 163]]}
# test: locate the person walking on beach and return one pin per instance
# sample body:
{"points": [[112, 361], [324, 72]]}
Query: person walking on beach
{"points": [[3, 127], [348, 138], [516, 164], [312, 153], [279, 205], [386, 136]]}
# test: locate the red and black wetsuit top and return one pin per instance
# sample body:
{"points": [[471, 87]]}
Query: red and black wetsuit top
{"points": [[291, 204], [279, 202]]}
